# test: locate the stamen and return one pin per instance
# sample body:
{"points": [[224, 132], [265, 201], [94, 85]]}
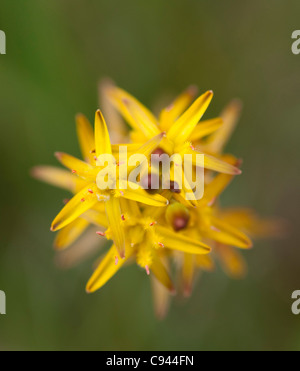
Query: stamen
{"points": [[147, 270], [82, 200], [93, 151], [116, 260], [74, 171], [99, 233], [152, 224], [192, 147], [95, 158], [90, 190], [160, 244], [123, 217]]}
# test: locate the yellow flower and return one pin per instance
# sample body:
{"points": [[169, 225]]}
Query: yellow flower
{"points": [[148, 242], [180, 125]]}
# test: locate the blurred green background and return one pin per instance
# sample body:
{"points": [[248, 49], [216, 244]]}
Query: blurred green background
{"points": [[56, 53]]}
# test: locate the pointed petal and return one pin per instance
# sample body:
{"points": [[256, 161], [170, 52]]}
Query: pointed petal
{"points": [[147, 148], [140, 195], [232, 262], [217, 186], [58, 177], [96, 217], [188, 273], [117, 128], [161, 273], [205, 262], [86, 138], [205, 128], [140, 119], [106, 269], [102, 140], [171, 113], [177, 241], [70, 233], [84, 248], [225, 233], [213, 163], [114, 217], [119, 96], [80, 203], [230, 116], [182, 129], [161, 298], [81, 168]]}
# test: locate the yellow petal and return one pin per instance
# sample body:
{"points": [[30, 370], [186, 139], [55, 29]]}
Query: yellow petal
{"points": [[170, 114], [102, 141], [114, 216], [205, 128], [161, 298], [96, 217], [81, 168], [183, 127], [81, 202], [225, 233], [188, 273], [216, 186], [107, 268], [119, 96], [215, 164], [140, 195], [86, 138], [205, 262], [232, 262], [85, 247], [177, 241], [70, 233], [116, 126], [230, 116], [58, 177], [147, 148], [140, 119], [161, 273]]}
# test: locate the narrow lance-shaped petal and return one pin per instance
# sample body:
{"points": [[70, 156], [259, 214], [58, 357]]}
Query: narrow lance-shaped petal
{"points": [[114, 216], [106, 269], [177, 241], [225, 233], [58, 177], [213, 163], [102, 140], [81, 168], [182, 129], [232, 261], [70, 233], [169, 114], [205, 128], [140, 195], [85, 136], [217, 141], [118, 96], [141, 120], [161, 273], [81, 202]]}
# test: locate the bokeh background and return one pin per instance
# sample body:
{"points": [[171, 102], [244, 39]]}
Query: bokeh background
{"points": [[56, 53]]}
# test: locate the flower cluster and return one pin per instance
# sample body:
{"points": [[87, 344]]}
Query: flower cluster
{"points": [[153, 227]]}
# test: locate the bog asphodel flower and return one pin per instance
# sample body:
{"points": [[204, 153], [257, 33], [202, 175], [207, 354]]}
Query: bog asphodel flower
{"points": [[154, 227]]}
